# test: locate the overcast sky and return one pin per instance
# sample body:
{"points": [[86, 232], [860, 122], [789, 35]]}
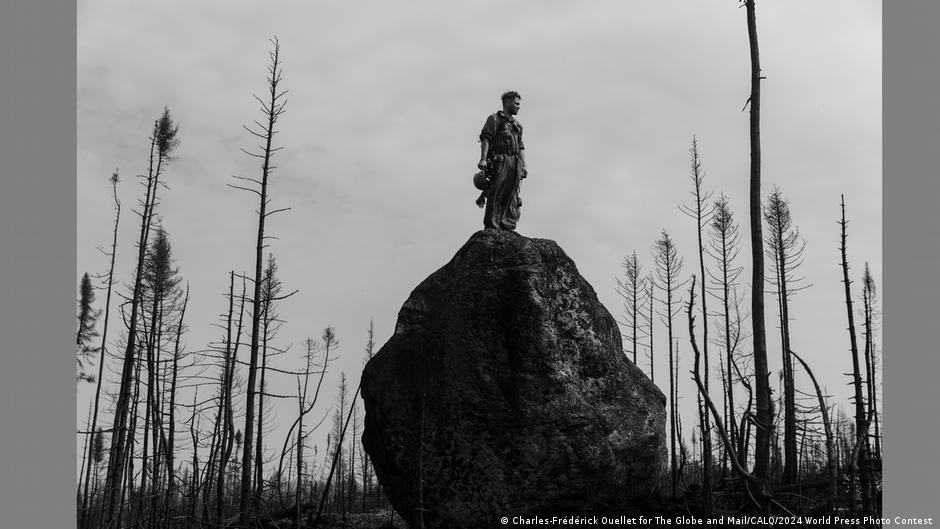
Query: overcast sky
{"points": [[380, 142]]}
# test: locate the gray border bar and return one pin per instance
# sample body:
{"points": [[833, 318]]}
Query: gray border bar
{"points": [[37, 260], [911, 257]]}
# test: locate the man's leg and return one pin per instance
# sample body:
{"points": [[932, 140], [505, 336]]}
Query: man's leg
{"points": [[488, 210]]}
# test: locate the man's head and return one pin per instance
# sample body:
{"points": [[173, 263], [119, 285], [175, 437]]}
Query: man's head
{"points": [[511, 102]]}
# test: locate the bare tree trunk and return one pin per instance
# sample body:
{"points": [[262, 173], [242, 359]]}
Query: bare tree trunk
{"points": [[300, 469], [760, 486], [672, 399], [145, 463], [697, 212], [215, 444], [763, 417], [95, 515], [629, 290], [228, 429], [163, 141], [830, 456], [868, 294], [861, 424], [168, 504], [744, 430], [104, 338], [300, 428], [129, 451], [785, 248], [336, 454], [668, 266], [259, 445], [156, 396], [298, 420], [86, 464], [194, 486], [724, 249], [272, 109], [789, 389], [352, 456]]}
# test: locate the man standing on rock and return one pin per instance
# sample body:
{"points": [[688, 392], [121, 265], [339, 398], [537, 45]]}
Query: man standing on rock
{"points": [[502, 157]]}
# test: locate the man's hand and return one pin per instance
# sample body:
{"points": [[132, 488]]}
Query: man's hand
{"points": [[482, 165]]}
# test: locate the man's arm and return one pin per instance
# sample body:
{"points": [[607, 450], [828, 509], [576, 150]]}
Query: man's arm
{"points": [[484, 150], [486, 136], [525, 171]]}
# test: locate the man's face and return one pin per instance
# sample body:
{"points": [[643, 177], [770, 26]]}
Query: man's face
{"points": [[511, 107]]}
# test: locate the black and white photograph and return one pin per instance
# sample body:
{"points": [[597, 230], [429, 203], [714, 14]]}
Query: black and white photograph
{"points": [[479, 265]]}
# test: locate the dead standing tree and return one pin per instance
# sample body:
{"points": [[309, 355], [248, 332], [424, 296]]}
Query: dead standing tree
{"points": [[341, 434], [650, 290], [171, 484], [162, 142], [270, 325], [724, 246], [162, 296], [861, 421], [827, 425], [869, 299], [753, 482], [220, 447], [668, 268], [785, 249], [104, 339], [632, 288], [763, 418], [698, 211], [272, 108], [311, 347]]}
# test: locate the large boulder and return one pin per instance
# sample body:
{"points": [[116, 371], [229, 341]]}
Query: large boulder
{"points": [[504, 391]]}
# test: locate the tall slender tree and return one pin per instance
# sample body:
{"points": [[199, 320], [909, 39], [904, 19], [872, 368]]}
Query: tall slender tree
{"points": [[785, 250], [271, 295], [650, 319], [311, 349], [764, 494], [668, 267], [171, 413], [104, 338], [861, 422], [162, 297], [632, 288], [869, 300], [827, 425], [272, 107], [163, 141], [764, 413], [223, 437], [339, 462], [702, 214], [724, 245]]}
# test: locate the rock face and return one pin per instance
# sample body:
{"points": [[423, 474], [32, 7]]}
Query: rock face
{"points": [[504, 392]]}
